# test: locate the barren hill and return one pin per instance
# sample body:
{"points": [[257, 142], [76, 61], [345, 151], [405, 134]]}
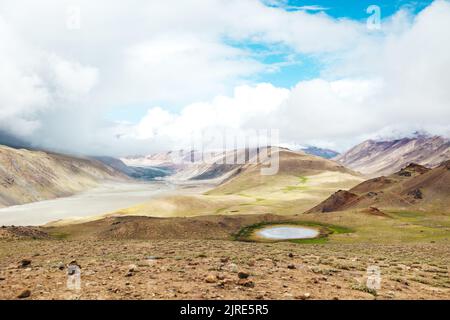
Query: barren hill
{"points": [[291, 164], [377, 158], [413, 187], [27, 176]]}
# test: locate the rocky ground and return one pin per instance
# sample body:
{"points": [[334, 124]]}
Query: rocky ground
{"points": [[220, 269]]}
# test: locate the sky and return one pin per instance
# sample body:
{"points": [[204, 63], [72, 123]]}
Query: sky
{"points": [[105, 78]]}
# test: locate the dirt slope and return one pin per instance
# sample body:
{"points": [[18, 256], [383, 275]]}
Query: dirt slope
{"points": [[27, 176], [413, 187], [377, 158]]}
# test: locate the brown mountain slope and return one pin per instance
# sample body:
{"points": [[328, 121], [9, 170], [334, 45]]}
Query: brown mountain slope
{"points": [[291, 164], [376, 158], [432, 186], [413, 187], [27, 176], [338, 201]]}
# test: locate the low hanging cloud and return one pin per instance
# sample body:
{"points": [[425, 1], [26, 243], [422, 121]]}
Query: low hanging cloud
{"points": [[222, 113], [405, 89], [34, 82]]}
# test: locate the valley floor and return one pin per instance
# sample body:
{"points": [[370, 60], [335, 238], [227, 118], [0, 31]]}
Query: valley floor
{"points": [[107, 197], [210, 269]]}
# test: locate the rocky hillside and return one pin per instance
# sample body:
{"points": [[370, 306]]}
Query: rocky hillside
{"points": [[27, 176], [376, 158], [194, 165], [413, 187]]}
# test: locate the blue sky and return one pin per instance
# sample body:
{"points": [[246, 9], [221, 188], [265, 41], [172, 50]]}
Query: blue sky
{"points": [[287, 67], [148, 73], [309, 67], [353, 9]]}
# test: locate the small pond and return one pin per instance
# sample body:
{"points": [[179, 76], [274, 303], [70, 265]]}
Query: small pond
{"points": [[286, 232]]}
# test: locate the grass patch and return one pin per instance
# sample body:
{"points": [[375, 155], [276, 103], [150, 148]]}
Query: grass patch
{"points": [[319, 240], [407, 214], [364, 288], [303, 180], [298, 187], [59, 235]]}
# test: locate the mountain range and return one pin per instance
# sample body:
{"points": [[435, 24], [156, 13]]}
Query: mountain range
{"points": [[413, 187], [32, 175], [375, 158], [320, 152], [145, 173], [28, 175]]}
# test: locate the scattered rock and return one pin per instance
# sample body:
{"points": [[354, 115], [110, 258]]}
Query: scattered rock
{"points": [[154, 258], [24, 294], [243, 275], [211, 278], [290, 255], [61, 266], [404, 173], [74, 263], [224, 259], [416, 194], [24, 263], [132, 268], [374, 211], [305, 296], [246, 283], [233, 267], [220, 277], [291, 266]]}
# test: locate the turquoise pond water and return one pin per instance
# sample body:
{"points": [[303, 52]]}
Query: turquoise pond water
{"points": [[287, 232]]}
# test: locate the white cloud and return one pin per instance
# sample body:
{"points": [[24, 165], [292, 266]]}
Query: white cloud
{"points": [[71, 78], [57, 84], [35, 83], [164, 66], [223, 112], [400, 85]]}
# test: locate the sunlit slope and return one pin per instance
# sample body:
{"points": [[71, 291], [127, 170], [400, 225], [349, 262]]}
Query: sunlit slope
{"points": [[412, 188], [301, 182], [301, 178], [27, 176]]}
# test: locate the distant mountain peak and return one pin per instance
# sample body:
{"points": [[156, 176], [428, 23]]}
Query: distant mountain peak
{"points": [[384, 157], [320, 152], [12, 141]]}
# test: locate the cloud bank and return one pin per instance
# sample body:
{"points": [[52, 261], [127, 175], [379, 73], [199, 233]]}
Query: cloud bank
{"points": [[58, 85]]}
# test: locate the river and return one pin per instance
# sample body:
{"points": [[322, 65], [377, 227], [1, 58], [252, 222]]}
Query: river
{"points": [[105, 198]]}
